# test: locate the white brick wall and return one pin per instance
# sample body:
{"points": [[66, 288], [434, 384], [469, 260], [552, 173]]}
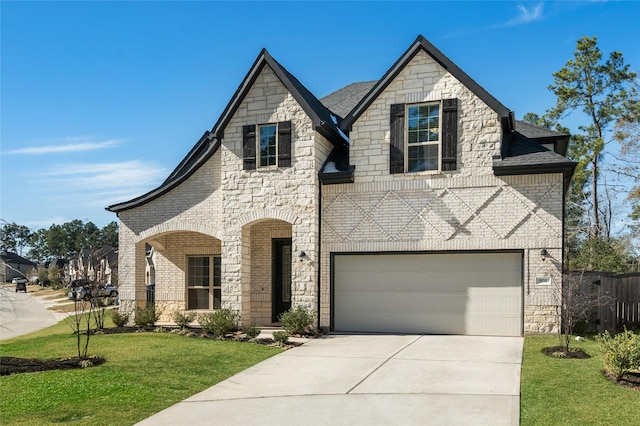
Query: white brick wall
{"points": [[466, 209], [224, 209]]}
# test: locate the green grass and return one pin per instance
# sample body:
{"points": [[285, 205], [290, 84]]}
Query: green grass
{"points": [[144, 373], [571, 391]]}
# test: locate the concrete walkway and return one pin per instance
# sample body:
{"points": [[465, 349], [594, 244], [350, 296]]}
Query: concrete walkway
{"points": [[368, 380]]}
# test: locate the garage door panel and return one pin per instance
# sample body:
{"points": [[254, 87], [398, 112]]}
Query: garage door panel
{"points": [[470, 293]]}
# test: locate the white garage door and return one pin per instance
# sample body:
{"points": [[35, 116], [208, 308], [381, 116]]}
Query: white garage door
{"points": [[462, 293]]}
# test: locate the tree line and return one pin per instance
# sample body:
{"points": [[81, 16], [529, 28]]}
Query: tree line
{"points": [[58, 241], [602, 94]]}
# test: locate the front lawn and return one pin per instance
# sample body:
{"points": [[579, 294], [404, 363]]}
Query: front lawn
{"points": [[144, 373], [571, 391]]}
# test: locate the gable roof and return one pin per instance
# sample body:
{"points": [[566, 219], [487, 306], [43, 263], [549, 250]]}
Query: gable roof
{"points": [[209, 143], [422, 44], [10, 257]]}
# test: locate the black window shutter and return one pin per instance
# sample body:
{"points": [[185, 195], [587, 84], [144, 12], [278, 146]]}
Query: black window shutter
{"points": [[249, 146], [449, 134], [396, 149], [284, 144]]}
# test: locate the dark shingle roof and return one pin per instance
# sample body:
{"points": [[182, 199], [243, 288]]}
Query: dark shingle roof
{"points": [[537, 132], [9, 257], [522, 155], [342, 101]]}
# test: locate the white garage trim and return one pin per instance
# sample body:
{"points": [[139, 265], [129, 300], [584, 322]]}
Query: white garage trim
{"points": [[474, 293]]}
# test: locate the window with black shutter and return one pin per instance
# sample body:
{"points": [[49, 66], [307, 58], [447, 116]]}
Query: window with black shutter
{"points": [[423, 137], [266, 145]]}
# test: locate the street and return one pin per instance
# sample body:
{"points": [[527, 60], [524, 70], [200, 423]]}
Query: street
{"points": [[20, 313]]}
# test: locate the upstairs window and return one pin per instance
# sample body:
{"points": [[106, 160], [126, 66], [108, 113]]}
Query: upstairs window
{"points": [[266, 145], [267, 148], [423, 137]]}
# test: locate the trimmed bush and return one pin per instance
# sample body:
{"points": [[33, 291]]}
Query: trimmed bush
{"points": [[183, 319], [253, 331], [120, 319], [219, 322], [620, 353], [297, 320], [146, 317], [280, 337]]}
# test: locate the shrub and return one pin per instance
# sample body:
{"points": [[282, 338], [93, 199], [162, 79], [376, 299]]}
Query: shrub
{"points": [[253, 331], [219, 322], [297, 320], [280, 337], [120, 319], [620, 353], [183, 319], [146, 317]]}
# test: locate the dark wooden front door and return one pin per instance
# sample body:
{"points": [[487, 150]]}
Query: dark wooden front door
{"points": [[281, 277]]}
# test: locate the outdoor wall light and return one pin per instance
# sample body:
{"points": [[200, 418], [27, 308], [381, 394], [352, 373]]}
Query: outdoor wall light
{"points": [[544, 254], [302, 256]]}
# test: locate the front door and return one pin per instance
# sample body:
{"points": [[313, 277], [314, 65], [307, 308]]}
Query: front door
{"points": [[281, 277]]}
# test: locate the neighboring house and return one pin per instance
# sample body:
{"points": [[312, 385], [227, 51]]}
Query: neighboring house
{"points": [[63, 267], [13, 265], [99, 265], [107, 265], [414, 204]]}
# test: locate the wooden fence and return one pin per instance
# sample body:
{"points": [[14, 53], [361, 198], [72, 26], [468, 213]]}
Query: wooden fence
{"points": [[621, 296]]}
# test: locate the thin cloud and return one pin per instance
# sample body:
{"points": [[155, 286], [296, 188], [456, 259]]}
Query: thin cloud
{"points": [[102, 184], [107, 175], [75, 146], [527, 15]]}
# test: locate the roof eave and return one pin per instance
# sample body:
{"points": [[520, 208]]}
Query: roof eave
{"points": [[565, 167], [167, 185]]}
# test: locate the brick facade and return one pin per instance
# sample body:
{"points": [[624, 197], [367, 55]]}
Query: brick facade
{"points": [[236, 213]]}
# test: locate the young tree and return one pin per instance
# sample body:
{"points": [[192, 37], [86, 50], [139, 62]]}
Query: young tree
{"points": [[604, 92]]}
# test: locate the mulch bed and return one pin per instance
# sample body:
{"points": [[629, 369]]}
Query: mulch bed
{"points": [[629, 380], [10, 365], [559, 352]]}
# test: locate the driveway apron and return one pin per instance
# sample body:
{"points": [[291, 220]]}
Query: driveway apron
{"points": [[368, 380]]}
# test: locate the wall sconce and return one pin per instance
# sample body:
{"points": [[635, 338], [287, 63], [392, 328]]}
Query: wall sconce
{"points": [[544, 254], [302, 256]]}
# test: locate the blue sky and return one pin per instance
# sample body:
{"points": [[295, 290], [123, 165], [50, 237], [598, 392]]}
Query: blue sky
{"points": [[101, 100]]}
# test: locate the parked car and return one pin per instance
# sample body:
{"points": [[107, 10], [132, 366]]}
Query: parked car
{"points": [[21, 284], [87, 292]]}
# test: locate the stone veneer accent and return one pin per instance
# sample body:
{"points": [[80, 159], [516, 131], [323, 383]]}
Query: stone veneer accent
{"points": [[233, 212], [224, 209]]}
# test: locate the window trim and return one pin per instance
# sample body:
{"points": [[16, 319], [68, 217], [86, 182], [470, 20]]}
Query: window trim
{"points": [[258, 152], [212, 287], [439, 143]]}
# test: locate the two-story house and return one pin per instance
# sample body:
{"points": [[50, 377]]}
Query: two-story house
{"points": [[415, 203]]}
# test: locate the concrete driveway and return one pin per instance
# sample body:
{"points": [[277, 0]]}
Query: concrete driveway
{"points": [[368, 380]]}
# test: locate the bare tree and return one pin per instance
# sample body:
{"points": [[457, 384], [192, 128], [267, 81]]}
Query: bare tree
{"points": [[578, 298]]}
